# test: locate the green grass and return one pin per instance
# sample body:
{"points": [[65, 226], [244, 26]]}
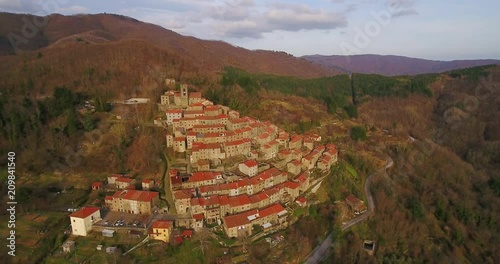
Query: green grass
{"points": [[225, 239], [299, 211], [351, 170]]}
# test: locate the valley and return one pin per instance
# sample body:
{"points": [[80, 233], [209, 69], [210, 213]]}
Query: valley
{"points": [[203, 152]]}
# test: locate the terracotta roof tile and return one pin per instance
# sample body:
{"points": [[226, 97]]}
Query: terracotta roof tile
{"points": [[84, 212]]}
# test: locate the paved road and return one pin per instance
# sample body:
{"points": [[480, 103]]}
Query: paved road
{"points": [[369, 197], [322, 249]]}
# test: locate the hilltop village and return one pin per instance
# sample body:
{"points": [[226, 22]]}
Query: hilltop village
{"points": [[239, 171], [226, 172]]}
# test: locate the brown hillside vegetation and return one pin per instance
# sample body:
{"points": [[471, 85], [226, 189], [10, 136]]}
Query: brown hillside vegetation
{"points": [[211, 56], [439, 204]]}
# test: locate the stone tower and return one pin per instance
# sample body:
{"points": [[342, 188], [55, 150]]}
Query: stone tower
{"points": [[184, 95]]}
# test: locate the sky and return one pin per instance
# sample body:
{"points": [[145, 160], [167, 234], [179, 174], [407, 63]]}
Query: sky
{"points": [[429, 29]]}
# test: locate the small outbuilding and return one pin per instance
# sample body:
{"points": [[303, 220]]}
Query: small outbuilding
{"points": [[108, 233], [96, 186], [68, 246], [111, 250]]}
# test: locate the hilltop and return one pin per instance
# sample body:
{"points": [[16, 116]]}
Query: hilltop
{"points": [[108, 31]]}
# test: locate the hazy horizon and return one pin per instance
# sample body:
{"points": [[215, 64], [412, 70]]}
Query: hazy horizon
{"points": [[447, 30]]}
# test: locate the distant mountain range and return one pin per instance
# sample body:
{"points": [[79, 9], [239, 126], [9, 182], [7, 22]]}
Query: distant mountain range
{"points": [[391, 65]]}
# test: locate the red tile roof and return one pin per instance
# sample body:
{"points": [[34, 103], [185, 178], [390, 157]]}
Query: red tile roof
{"points": [[239, 120], [163, 224], [238, 219], [213, 117], [209, 126], [142, 196], [209, 201], [242, 130], [179, 138], [224, 200], [271, 191], [202, 176], [250, 163], [264, 136], [175, 180], [187, 233], [241, 200], [173, 172], [295, 139], [216, 134], [195, 201], [178, 239], [209, 188], [238, 142], [301, 200], [272, 172], [352, 199], [258, 197], [273, 209], [302, 177], [123, 179], [193, 112], [291, 185], [285, 152], [84, 212], [201, 146], [96, 184], [198, 217], [183, 194]]}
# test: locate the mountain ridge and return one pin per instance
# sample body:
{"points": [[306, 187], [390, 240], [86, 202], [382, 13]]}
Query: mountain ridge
{"points": [[392, 65], [209, 55]]}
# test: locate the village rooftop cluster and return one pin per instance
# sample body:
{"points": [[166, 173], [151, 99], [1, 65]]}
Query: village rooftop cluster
{"points": [[224, 170]]}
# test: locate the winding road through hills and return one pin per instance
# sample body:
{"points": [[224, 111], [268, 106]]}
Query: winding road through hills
{"points": [[322, 249]]}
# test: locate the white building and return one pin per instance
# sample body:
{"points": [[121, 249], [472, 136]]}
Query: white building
{"points": [[249, 167], [82, 220], [173, 114]]}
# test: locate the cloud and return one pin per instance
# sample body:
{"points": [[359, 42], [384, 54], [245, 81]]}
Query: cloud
{"points": [[26, 6], [231, 10], [404, 12], [402, 7], [251, 21], [41, 7]]}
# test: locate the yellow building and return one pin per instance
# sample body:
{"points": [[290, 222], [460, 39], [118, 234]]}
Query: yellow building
{"points": [[161, 230], [132, 201]]}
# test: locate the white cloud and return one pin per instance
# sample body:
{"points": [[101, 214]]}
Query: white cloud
{"points": [[402, 7], [251, 21], [18, 5], [222, 19]]}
